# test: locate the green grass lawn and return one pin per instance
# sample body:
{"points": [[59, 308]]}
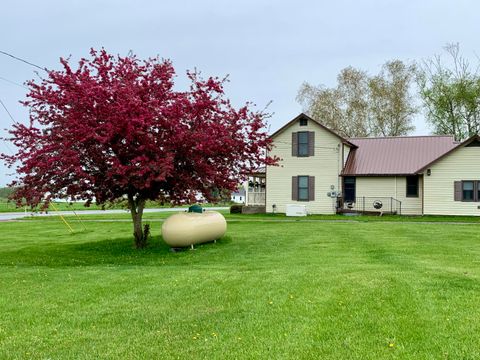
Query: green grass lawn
{"points": [[267, 290], [160, 216]]}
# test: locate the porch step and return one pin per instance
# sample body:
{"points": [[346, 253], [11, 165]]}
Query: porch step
{"points": [[378, 212]]}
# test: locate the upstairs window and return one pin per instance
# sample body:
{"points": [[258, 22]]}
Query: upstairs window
{"points": [[303, 122], [412, 186], [303, 143]]}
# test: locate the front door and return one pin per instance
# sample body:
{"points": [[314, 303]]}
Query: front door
{"points": [[349, 189]]}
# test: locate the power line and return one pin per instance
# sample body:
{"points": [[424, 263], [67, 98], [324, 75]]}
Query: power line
{"points": [[23, 60], [1, 102], [13, 82], [8, 112], [11, 117], [9, 149], [290, 144]]}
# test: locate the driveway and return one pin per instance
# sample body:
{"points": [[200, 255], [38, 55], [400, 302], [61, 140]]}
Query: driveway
{"points": [[18, 215]]}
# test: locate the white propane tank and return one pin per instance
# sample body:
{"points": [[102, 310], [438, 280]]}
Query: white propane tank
{"points": [[186, 229]]}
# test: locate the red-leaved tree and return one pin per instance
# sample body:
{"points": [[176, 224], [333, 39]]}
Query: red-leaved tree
{"points": [[115, 128]]}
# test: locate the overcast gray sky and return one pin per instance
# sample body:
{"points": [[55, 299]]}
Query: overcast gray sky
{"points": [[268, 47]]}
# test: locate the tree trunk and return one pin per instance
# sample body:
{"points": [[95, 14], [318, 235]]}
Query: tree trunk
{"points": [[136, 210]]}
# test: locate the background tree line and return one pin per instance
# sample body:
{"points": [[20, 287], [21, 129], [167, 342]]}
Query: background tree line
{"points": [[446, 88], [5, 192]]}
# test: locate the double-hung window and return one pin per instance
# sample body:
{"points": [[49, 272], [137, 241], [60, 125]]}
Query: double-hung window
{"points": [[468, 190], [303, 143], [303, 188]]}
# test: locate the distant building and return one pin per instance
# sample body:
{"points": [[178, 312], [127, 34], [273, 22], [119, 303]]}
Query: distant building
{"points": [[238, 196]]}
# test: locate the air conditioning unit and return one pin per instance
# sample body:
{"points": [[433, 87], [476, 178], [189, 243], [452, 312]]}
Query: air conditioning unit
{"points": [[296, 210]]}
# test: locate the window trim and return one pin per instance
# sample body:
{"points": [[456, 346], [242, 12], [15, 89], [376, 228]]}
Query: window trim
{"points": [[307, 144], [417, 194], [298, 187]]}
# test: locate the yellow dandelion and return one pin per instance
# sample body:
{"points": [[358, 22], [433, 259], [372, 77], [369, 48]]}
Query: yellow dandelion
{"points": [[391, 345], [270, 302]]}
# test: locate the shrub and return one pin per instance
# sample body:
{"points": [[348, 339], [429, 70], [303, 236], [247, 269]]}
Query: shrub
{"points": [[236, 209]]}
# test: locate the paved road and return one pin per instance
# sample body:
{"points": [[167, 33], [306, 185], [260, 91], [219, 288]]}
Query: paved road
{"points": [[19, 215]]}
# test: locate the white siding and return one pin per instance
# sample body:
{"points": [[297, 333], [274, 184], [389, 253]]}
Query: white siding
{"points": [[325, 166], [390, 186], [462, 164]]}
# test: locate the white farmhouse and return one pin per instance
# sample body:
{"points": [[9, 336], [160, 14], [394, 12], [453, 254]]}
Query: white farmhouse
{"points": [[327, 173]]}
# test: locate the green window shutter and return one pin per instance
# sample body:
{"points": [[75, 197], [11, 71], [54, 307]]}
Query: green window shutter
{"points": [[294, 144], [295, 188]]}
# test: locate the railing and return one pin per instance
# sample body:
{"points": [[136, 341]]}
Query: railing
{"points": [[256, 198], [367, 204]]}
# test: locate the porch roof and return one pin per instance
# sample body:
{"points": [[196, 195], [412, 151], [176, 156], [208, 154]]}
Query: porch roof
{"points": [[259, 172]]}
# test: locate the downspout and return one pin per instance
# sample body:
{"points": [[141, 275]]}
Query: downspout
{"points": [[423, 193], [266, 183], [396, 197], [338, 167]]}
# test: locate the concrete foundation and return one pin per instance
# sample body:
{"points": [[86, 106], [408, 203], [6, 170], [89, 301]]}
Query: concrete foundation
{"points": [[254, 209]]}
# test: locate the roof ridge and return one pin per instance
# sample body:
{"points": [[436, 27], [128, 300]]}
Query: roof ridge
{"points": [[398, 137]]}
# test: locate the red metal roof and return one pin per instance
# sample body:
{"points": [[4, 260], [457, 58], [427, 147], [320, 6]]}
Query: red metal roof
{"points": [[395, 155]]}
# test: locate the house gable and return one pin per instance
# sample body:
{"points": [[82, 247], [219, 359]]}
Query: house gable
{"points": [[305, 118], [473, 141], [322, 167], [442, 179]]}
